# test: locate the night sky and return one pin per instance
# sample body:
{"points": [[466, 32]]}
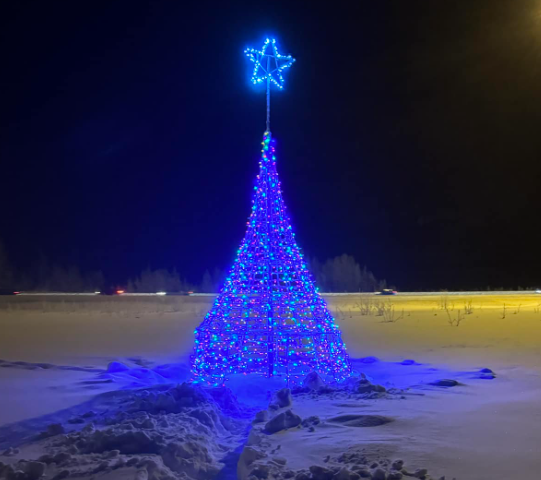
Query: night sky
{"points": [[408, 135]]}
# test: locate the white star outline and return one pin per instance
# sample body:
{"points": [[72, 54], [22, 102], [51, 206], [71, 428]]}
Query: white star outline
{"points": [[257, 56]]}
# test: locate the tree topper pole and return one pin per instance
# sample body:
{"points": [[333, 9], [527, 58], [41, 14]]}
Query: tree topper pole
{"points": [[269, 70], [268, 95]]}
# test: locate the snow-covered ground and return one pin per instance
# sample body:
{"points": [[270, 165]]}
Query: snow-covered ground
{"points": [[135, 419]]}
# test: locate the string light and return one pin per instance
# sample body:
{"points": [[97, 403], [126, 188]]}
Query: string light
{"points": [[269, 65], [269, 318]]}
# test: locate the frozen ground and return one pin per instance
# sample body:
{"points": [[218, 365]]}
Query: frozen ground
{"points": [[138, 423]]}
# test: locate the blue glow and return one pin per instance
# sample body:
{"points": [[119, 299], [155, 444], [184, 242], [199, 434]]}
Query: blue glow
{"points": [[269, 65]]}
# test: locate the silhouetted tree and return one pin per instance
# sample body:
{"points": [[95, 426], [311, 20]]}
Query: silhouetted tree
{"points": [[161, 280], [6, 272], [218, 278], [212, 282], [344, 274], [206, 284]]}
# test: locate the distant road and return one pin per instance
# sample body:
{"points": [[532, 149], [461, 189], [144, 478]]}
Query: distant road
{"points": [[400, 294], [428, 294]]}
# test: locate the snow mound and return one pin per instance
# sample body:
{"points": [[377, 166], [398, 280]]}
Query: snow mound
{"points": [[159, 433]]}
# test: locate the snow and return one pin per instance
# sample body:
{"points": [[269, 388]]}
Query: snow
{"points": [[460, 401]]}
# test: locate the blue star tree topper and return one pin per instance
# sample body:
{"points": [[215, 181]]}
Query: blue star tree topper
{"points": [[269, 65]]}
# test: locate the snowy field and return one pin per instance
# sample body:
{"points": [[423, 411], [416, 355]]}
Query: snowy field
{"points": [[63, 402]]}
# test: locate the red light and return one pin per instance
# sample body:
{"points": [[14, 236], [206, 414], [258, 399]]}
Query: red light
{"points": [[16, 293], [119, 292]]}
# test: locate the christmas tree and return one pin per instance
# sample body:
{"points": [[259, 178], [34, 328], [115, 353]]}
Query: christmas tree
{"points": [[269, 318]]}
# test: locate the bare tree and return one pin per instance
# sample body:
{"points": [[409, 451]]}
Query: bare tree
{"points": [[468, 307], [453, 320], [388, 313], [364, 306]]}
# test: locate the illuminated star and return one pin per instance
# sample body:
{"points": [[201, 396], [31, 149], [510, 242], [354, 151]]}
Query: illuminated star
{"points": [[269, 66]]}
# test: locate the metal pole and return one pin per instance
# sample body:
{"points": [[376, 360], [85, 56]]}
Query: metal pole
{"points": [[268, 94], [270, 319], [270, 337]]}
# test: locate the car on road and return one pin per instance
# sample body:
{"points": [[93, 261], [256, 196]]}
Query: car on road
{"points": [[110, 291], [387, 291]]}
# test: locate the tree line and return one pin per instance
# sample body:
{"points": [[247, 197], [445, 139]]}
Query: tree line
{"points": [[338, 274], [45, 276], [344, 274]]}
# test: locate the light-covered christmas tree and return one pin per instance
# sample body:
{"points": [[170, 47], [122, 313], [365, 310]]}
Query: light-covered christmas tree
{"points": [[269, 318]]}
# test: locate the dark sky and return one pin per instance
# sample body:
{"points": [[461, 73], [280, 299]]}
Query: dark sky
{"points": [[409, 135]]}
